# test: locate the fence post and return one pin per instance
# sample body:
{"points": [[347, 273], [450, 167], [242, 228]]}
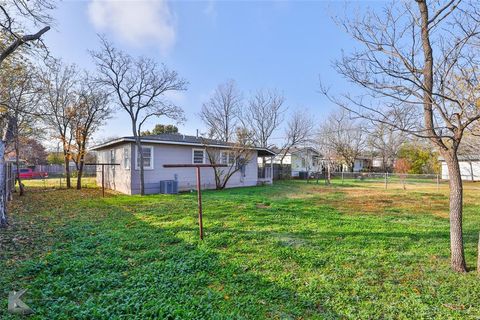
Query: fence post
{"points": [[342, 177], [438, 182], [386, 180]]}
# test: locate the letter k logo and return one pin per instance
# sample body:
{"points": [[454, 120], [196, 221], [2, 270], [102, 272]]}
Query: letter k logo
{"points": [[17, 306]]}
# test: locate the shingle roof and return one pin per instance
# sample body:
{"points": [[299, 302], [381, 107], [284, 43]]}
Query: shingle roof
{"points": [[464, 157], [171, 138], [295, 150], [176, 137]]}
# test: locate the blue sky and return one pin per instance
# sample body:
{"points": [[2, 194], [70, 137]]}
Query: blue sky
{"points": [[285, 45]]}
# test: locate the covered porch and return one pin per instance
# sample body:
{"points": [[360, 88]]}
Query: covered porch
{"points": [[265, 166]]}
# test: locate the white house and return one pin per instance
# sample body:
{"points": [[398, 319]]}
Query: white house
{"points": [[368, 163], [159, 150], [469, 167], [305, 159]]}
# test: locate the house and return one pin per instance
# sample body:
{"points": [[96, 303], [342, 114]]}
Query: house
{"points": [[162, 149], [300, 159], [371, 163], [361, 163], [469, 167]]}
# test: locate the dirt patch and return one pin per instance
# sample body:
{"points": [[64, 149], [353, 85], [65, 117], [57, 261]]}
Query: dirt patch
{"points": [[377, 201]]}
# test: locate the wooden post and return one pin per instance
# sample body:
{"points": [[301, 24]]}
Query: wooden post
{"points": [[438, 182], [103, 180], [199, 197], [342, 176], [478, 256], [199, 184], [386, 180]]}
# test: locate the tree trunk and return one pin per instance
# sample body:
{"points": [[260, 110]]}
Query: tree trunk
{"points": [[3, 202], [80, 173], [329, 177], [67, 169], [471, 171], [218, 182], [140, 165], [456, 210], [448, 152], [21, 189]]}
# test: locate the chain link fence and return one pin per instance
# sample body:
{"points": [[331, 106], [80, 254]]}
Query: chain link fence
{"points": [[55, 177], [385, 179]]}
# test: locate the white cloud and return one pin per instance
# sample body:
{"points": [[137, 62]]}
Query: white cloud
{"points": [[137, 22]]}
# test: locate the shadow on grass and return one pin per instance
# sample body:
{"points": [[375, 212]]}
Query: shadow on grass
{"points": [[110, 264]]}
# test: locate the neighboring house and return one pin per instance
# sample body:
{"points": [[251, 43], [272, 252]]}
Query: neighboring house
{"points": [[305, 159], [469, 167], [173, 149], [361, 164], [366, 163]]}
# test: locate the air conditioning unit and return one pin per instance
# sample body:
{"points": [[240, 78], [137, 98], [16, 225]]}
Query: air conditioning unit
{"points": [[168, 186]]}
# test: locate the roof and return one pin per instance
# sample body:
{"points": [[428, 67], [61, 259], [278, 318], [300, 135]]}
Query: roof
{"points": [[464, 157], [179, 139], [294, 150]]}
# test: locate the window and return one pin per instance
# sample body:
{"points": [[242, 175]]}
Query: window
{"points": [[147, 152], [126, 158], [223, 157], [231, 158], [242, 165], [227, 157], [198, 156]]}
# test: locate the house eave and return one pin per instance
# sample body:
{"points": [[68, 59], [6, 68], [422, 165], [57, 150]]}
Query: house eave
{"points": [[265, 151]]}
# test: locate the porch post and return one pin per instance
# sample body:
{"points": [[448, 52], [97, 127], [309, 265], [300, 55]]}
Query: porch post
{"points": [[271, 169]]}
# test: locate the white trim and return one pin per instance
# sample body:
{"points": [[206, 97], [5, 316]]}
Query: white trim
{"points": [[127, 150], [120, 140], [114, 158], [151, 167], [193, 152]]}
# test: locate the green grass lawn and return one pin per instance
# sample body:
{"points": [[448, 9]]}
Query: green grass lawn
{"points": [[288, 251]]}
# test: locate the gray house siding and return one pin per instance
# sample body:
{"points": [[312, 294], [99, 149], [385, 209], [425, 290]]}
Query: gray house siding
{"points": [[128, 180], [178, 154], [117, 178]]}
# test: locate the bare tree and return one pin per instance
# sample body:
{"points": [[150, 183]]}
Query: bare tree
{"points": [[343, 137], [328, 158], [385, 142], [235, 158], [299, 131], [221, 113], [20, 99], [139, 86], [15, 15], [421, 56], [92, 109], [263, 116], [7, 135], [59, 83]]}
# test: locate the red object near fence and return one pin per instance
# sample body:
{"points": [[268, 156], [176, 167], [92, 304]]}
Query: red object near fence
{"points": [[27, 173]]}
